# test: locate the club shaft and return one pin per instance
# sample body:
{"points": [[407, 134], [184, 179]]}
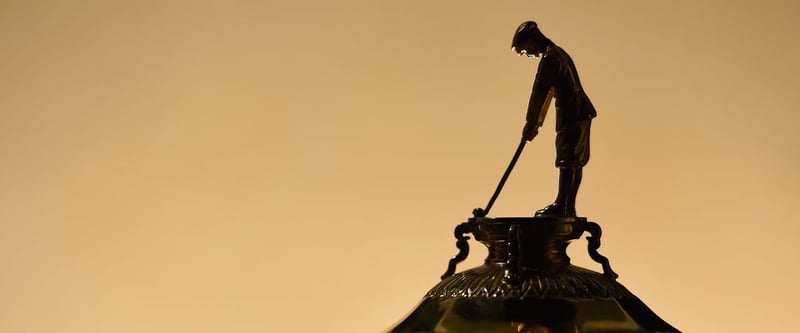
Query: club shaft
{"points": [[505, 176]]}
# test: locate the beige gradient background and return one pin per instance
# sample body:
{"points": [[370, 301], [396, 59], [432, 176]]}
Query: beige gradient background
{"points": [[289, 166]]}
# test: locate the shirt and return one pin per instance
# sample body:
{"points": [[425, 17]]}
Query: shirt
{"points": [[557, 78]]}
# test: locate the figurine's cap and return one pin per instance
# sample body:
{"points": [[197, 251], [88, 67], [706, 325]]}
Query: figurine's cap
{"points": [[525, 30]]}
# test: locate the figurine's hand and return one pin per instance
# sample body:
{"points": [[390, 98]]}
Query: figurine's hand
{"points": [[530, 131]]}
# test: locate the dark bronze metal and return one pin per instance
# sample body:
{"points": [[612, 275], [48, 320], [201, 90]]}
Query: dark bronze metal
{"points": [[527, 284], [512, 266], [557, 78], [478, 212], [594, 243], [463, 248]]}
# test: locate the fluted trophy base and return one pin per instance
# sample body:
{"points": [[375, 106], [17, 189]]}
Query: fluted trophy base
{"points": [[574, 300], [527, 285]]}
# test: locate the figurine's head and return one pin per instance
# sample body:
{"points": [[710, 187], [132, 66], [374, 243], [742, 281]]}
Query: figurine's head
{"points": [[529, 41]]}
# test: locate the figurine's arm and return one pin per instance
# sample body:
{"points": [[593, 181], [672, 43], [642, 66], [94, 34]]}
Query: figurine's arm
{"points": [[540, 99], [542, 92]]}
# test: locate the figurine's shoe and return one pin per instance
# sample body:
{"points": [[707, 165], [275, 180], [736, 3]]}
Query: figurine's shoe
{"points": [[556, 210]]}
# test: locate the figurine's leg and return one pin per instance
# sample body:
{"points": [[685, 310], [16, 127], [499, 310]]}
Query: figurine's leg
{"points": [[564, 183], [572, 153], [566, 179], [569, 204]]}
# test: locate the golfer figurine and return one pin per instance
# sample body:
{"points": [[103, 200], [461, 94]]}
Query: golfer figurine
{"points": [[557, 78]]}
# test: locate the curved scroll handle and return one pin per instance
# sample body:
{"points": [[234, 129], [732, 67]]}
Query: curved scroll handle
{"points": [[512, 266], [594, 243], [463, 248]]}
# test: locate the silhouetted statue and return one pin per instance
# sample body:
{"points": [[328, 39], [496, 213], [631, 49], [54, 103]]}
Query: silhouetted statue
{"points": [[557, 78]]}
